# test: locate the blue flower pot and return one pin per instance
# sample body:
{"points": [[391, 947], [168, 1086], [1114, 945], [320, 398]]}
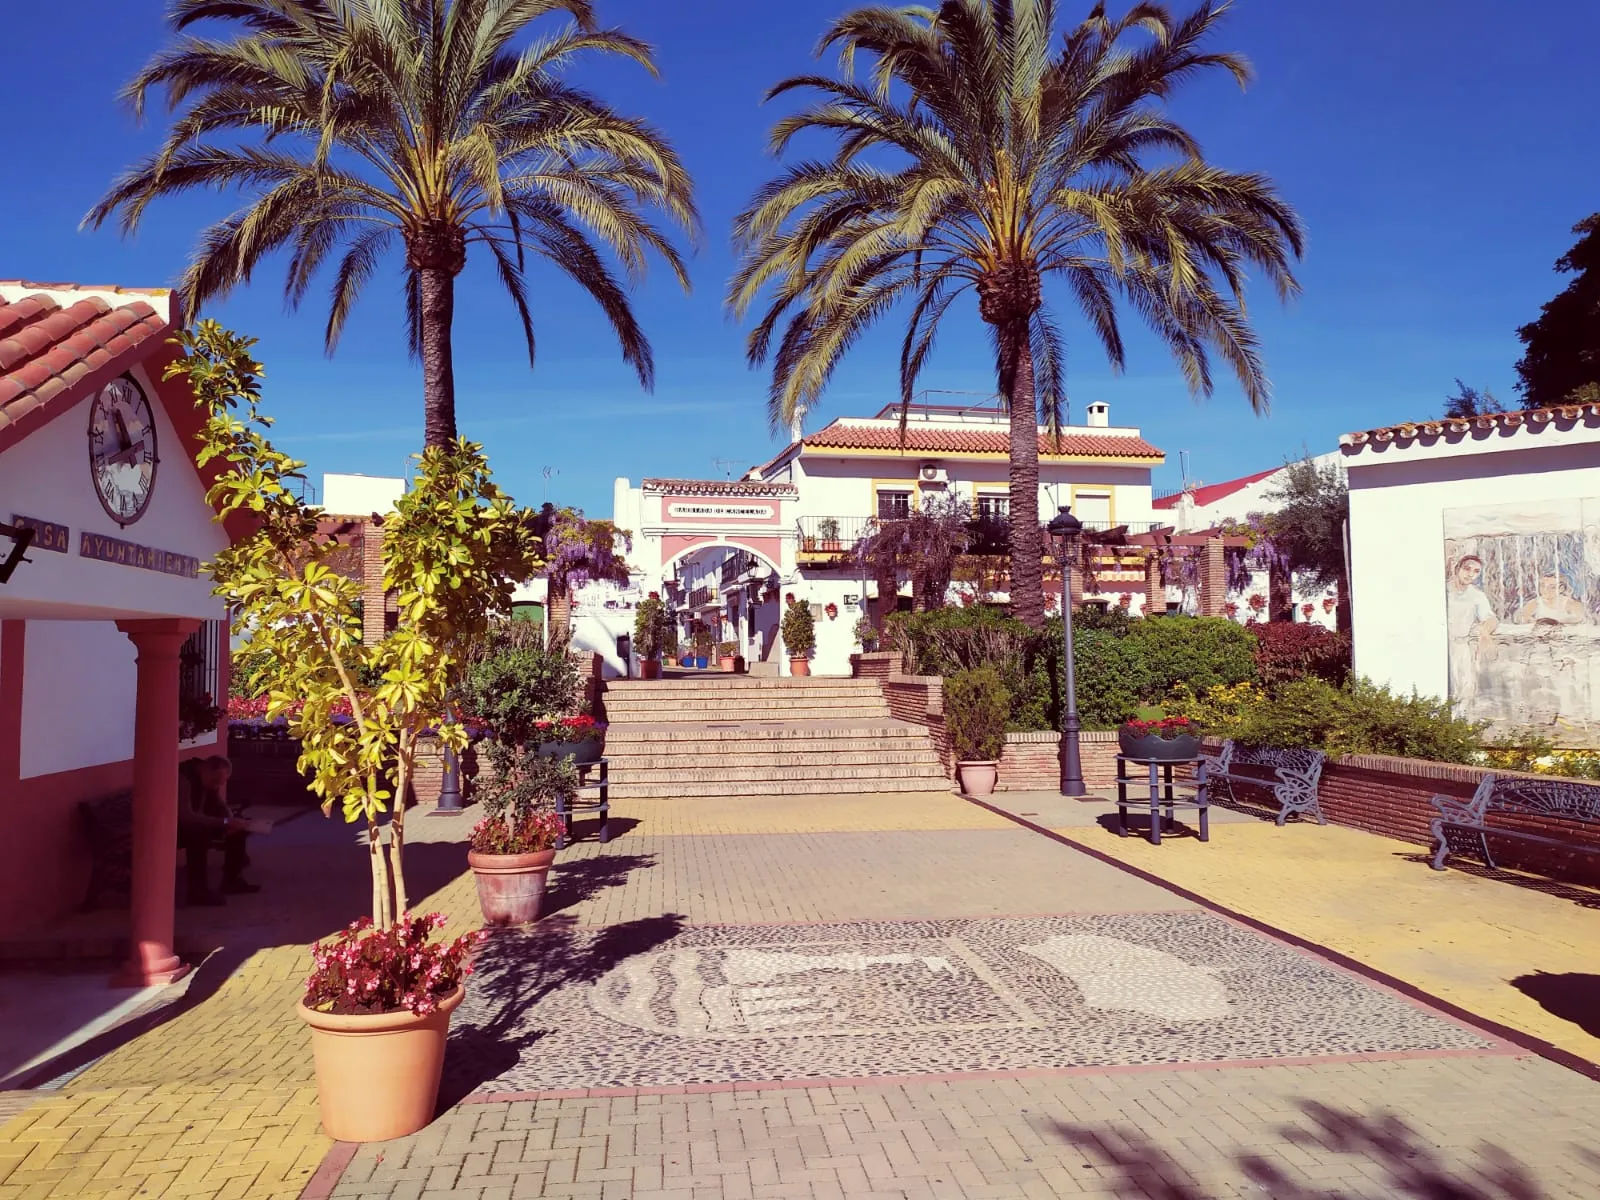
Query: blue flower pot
{"points": [[700, 662]]}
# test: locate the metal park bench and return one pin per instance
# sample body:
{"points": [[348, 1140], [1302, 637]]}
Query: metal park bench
{"points": [[1463, 827], [1292, 775]]}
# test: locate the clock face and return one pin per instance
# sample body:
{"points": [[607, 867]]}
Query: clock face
{"points": [[122, 450]]}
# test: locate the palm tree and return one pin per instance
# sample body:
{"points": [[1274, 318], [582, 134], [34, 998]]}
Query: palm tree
{"points": [[974, 156], [350, 123]]}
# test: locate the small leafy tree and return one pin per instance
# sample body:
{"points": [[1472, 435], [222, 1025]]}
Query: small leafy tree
{"points": [[976, 705], [452, 552], [1307, 529], [1470, 402], [922, 546], [799, 630], [650, 626]]}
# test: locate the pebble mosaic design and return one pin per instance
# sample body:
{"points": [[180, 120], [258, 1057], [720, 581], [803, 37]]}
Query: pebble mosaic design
{"points": [[718, 1004]]}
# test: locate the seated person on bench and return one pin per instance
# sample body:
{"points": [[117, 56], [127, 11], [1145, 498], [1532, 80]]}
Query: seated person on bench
{"points": [[204, 821]]}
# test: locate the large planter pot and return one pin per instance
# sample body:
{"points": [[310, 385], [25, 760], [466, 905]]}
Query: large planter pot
{"points": [[799, 666], [978, 777], [1154, 746], [686, 660], [581, 752], [700, 661], [511, 886], [726, 662], [378, 1074], [650, 668]]}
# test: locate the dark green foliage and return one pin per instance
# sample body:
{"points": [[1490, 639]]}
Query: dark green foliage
{"points": [[799, 630], [1200, 652], [946, 640], [1361, 719], [1561, 363], [975, 707], [1312, 506], [517, 680], [1113, 678], [1470, 402]]}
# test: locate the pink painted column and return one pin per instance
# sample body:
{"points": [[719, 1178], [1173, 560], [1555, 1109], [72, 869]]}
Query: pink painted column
{"points": [[155, 800]]}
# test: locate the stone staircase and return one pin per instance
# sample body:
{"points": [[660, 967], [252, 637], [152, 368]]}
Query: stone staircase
{"points": [[748, 735]]}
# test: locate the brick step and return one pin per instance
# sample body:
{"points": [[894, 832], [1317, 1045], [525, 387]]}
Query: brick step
{"points": [[745, 715], [619, 736], [766, 697], [692, 788], [734, 683], [701, 768], [634, 763]]}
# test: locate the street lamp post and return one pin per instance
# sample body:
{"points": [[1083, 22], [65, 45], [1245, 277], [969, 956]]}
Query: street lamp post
{"points": [[1065, 530], [450, 786]]}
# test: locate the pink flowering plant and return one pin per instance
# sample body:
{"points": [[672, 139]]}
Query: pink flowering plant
{"points": [[519, 799], [581, 728], [366, 969]]}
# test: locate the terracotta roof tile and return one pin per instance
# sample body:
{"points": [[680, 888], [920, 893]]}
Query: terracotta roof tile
{"points": [[842, 436], [1453, 429], [719, 487], [50, 343]]}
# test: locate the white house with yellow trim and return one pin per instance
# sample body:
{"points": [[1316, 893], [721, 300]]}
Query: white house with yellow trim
{"points": [[788, 526]]}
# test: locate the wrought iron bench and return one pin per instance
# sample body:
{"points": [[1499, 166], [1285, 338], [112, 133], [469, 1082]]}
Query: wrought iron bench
{"points": [[1293, 778], [1463, 827]]}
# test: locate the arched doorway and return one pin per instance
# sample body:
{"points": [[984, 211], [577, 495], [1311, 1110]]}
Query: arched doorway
{"points": [[723, 596]]}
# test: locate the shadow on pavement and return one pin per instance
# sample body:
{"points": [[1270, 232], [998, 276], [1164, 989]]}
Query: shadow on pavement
{"points": [[1406, 1164], [1575, 891], [314, 883], [514, 971], [580, 879], [1571, 996]]}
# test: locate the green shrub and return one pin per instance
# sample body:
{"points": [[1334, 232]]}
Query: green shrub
{"points": [[943, 641], [976, 705], [1198, 652], [799, 630], [650, 627], [1362, 718], [515, 680], [1113, 679]]}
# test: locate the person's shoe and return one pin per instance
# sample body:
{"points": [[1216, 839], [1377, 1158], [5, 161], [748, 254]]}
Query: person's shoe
{"points": [[238, 887], [205, 900]]}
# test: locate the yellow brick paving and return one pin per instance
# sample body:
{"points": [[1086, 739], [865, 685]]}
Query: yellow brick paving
{"points": [[219, 1102], [1460, 937]]}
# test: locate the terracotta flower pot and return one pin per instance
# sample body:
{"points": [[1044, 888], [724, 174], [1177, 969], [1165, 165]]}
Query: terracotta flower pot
{"points": [[511, 886], [726, 662], [799, 666], [978, 777], [378, 1074], [650, 668]]}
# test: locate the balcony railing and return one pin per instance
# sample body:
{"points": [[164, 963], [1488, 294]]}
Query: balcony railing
{"points": [[702, 596], [837, 537]]}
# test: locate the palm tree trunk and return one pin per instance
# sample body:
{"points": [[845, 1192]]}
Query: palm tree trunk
{"points": [[437, 285], [1027, 539]]}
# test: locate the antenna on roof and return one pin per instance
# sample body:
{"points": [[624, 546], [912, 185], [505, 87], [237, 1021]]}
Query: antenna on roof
{"points": [[725, 465]]}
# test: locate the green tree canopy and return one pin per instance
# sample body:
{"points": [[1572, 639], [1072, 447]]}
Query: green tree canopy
{"points": [[1561, 362], [351, 125], [980, 147]]}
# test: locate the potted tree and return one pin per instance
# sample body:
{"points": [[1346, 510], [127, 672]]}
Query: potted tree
{"points": [[379, 998], [976, 705], [828, 528], [799, 637], [1164, 739], [702, 646], [513, 846], [650, 635]]}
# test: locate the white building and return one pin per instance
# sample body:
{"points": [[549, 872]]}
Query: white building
{"points": [[730, 553], [1475, 563], [1202, 506]]}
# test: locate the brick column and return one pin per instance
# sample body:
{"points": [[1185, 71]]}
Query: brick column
{"points": [[1213, 578], [155, 800], [374, 600], [1155, 591]]}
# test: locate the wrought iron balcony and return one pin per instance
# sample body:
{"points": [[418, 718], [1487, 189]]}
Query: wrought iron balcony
{"points": [[833, 536]]}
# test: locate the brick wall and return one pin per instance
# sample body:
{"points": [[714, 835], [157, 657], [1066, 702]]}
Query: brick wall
{"points": [[919, 700], [1031, 761], [876, 664]]}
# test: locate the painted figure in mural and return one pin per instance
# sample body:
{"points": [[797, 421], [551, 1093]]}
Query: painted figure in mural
{"points": [[1554, 605], [1472, 622]]}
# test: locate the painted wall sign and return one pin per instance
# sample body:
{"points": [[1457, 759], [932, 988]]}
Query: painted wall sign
{"points": [[741, 512], [148, 558], [47, 535]]}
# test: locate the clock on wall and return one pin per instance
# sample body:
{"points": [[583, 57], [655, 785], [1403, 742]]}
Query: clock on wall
{"points": [[122, 449]]}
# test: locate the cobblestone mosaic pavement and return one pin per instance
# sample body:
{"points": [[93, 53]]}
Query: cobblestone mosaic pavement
{"points": [[718, 1004]]}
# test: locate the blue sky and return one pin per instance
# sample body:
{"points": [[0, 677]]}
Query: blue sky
{"points": [[1439, 153]]}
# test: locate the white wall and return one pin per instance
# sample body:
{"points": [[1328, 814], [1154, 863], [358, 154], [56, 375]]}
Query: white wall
{"points": [[360, 495], [77, 698], [1397, 503], [46, 476]]}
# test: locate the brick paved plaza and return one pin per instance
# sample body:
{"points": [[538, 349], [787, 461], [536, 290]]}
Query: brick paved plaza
{"points": [[895, 996]]}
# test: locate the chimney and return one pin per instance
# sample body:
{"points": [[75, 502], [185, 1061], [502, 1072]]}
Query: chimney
{"points": [[797, 426], [1098, 414]]}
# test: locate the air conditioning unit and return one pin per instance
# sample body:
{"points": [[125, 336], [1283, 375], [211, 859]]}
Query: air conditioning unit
{"points": [[932, 474]]}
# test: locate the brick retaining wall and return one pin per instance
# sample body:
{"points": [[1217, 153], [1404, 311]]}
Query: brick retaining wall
{"points": [[1031, 762]]}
